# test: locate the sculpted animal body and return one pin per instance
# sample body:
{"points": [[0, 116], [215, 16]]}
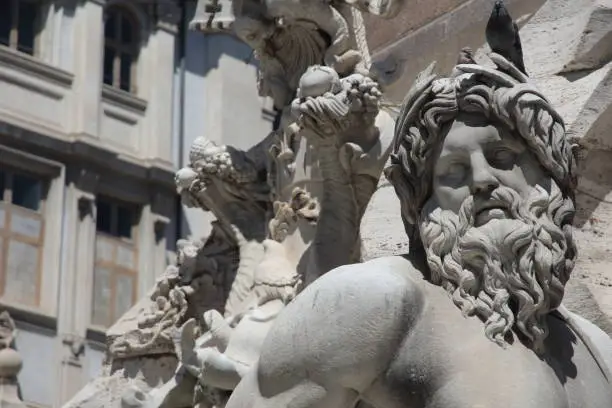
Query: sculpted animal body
{"points": [[472, 317]]}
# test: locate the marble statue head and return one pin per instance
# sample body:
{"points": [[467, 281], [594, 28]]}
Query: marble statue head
{"points": [[485, 177]]}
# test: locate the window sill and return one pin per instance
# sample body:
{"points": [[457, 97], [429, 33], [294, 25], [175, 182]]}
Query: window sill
{"points": [[30, 315], [34, 66], [123, 99]]}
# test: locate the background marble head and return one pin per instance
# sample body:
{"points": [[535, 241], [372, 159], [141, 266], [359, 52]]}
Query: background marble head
{"points": [[506, 263]]}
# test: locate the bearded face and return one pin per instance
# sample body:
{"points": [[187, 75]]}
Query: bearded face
{"points": [[490, 231]]}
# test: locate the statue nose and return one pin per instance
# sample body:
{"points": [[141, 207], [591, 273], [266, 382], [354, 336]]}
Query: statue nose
{"points": [[483, 179]]}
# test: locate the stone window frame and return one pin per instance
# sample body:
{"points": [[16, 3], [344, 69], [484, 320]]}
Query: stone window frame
{"points": [[53, 174], [114, 267], [121, 11], [39, 26], [8, 235], [153, 203]]}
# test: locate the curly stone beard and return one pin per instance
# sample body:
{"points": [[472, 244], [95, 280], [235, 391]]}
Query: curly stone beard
{"points": [[510, 272]]}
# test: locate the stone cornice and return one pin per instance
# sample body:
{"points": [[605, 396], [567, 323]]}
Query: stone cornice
{"points": [[19, 159], [79, 151], [34, 67]]}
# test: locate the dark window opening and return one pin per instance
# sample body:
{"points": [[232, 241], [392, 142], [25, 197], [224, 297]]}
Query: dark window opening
{"points": [[28, 13], [115, 218], [104, 216], [125, 221], [27, 192], [126, 66], [18, 24], [6, 12], [127, 29], [109, 59], [110, 25], [2, 185], [121, 48]]}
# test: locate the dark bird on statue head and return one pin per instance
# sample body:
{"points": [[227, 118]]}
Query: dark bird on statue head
{"points": [[503, 36], [466, 56]]}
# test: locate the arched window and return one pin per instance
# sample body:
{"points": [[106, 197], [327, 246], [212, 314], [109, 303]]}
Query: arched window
{"points": [[121, 47]]}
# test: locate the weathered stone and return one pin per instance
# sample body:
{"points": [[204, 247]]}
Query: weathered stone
{"points": [[440, 40], [414, 15]]}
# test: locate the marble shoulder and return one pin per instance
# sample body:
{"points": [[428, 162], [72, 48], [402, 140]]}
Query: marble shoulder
{"points": [[391, 271], [401, 265]]}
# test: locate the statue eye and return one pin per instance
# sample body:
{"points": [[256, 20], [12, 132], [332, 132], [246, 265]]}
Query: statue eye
{"points": [[502, 157], [453, 173]]}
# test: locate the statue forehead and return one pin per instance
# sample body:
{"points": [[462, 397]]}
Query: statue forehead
{"points": [[468, 131]]}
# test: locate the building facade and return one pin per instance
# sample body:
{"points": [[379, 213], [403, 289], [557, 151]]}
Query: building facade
{"points": [[99, 103]]}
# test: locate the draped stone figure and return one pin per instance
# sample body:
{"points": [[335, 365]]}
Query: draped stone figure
{"points": [[473, 315]]}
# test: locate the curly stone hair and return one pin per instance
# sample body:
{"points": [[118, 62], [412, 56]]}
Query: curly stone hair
{"points": [[547, 254], [433, 104]]}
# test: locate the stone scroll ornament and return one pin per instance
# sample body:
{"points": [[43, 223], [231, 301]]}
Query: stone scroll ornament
{"points": [[288, 209]]}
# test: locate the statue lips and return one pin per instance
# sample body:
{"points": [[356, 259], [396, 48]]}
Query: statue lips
{"points": [[487, 210]]}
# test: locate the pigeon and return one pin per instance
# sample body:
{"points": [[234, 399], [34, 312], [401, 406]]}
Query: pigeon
{"points": [[466, 56], [503, 36]]}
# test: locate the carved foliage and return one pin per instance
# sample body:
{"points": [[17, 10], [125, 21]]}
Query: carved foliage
{"points": [[286, 215], [177, 296]]}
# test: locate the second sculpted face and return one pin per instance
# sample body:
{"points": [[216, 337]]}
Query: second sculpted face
{"points": [[476, 158]]}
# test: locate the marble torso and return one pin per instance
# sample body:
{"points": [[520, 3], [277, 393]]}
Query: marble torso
{"points": [[428, 357]]}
